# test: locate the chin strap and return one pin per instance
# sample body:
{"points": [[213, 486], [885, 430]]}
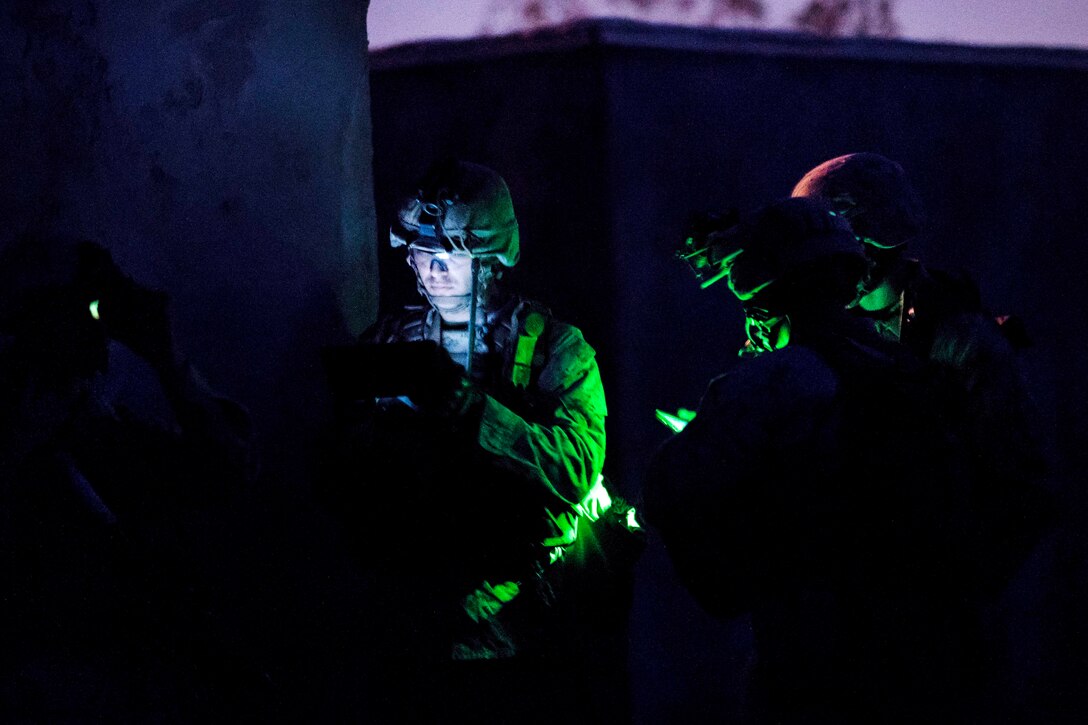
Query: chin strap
{"points": [[472, 305]]}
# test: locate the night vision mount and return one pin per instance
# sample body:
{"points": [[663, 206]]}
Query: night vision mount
{"points": [[706, 247]]}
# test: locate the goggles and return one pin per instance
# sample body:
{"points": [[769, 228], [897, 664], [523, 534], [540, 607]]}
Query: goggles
{"points": [[424, 257]]}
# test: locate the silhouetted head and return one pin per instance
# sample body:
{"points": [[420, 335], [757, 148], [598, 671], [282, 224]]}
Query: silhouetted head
{"points": [[873, 194], [787, 259], [50, 288]]}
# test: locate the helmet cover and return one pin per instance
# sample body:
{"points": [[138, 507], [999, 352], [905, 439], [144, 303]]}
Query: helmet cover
{"points": [[872, 192], [779, 238], [460, 207]]}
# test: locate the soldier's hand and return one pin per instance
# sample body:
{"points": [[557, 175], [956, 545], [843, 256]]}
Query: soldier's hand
{"points": [[447, 391], [136, 317]]}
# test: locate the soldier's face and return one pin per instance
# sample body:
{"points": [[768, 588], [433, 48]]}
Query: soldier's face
{"points": [[444, 274], [447, 278]]}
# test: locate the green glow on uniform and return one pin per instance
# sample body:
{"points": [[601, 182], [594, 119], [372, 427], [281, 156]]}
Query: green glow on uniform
{"points": [[596, 502], [874, 243], [93, 307], [506, 591], [484, 603], [632, 520], [675, 422], [783, 337]]}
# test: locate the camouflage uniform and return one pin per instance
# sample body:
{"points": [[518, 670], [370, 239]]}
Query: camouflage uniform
{"points": [[477, 533]]}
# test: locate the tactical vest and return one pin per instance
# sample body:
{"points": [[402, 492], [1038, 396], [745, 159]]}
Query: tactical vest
{"points": [[516, 337]]}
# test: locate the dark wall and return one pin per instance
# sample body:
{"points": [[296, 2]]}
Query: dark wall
{"points": [[221, 150], [611, 133]]}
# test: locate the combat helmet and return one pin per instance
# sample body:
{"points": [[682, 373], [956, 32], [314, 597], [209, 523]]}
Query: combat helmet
{"points": [[460, 207], [772, 243], [780, 258], [873, 194]]}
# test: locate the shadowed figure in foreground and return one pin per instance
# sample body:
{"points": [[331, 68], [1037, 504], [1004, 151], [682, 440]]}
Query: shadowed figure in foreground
{"points": [[830, 486], [102, 617], [939, 315]]}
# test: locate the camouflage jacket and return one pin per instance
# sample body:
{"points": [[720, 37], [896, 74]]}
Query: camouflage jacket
{"points": [[538, 441]]}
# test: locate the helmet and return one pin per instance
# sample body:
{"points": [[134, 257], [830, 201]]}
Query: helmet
{"points": [[460, 207], [781, 238], [872, 192]]}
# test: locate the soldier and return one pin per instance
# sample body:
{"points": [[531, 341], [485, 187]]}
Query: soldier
{"points": [[478, 533], [99, 614], [907, 300], [940, 317], [823, 487]]}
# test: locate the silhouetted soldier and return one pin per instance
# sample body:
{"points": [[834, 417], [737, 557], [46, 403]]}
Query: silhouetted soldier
{"points": [[825, 487], [940, 317], [95, 627], [476, 497], [907, 300]]}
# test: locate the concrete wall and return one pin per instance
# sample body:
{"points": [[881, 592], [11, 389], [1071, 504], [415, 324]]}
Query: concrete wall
{"points": [[611, 133], [222, 151]]}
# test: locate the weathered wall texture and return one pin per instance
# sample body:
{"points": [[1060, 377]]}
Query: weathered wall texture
{"points": [[611, 133], [222, 151]]}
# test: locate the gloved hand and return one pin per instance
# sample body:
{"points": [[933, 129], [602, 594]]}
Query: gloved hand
{"points": [[447, 392], [136, 317]]}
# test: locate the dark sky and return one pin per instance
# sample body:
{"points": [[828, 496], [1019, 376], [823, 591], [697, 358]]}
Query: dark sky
{"points": [[1002, 22]]}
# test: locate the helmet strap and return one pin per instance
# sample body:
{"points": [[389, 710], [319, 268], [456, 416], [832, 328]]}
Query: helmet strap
{"points": [[473, 304]]}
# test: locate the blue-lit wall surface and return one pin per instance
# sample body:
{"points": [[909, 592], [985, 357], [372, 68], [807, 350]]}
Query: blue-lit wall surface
{"points": [[611, 133], [221, 150]]}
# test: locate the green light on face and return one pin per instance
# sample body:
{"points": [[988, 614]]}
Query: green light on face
{"points": [[93, 307]]}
